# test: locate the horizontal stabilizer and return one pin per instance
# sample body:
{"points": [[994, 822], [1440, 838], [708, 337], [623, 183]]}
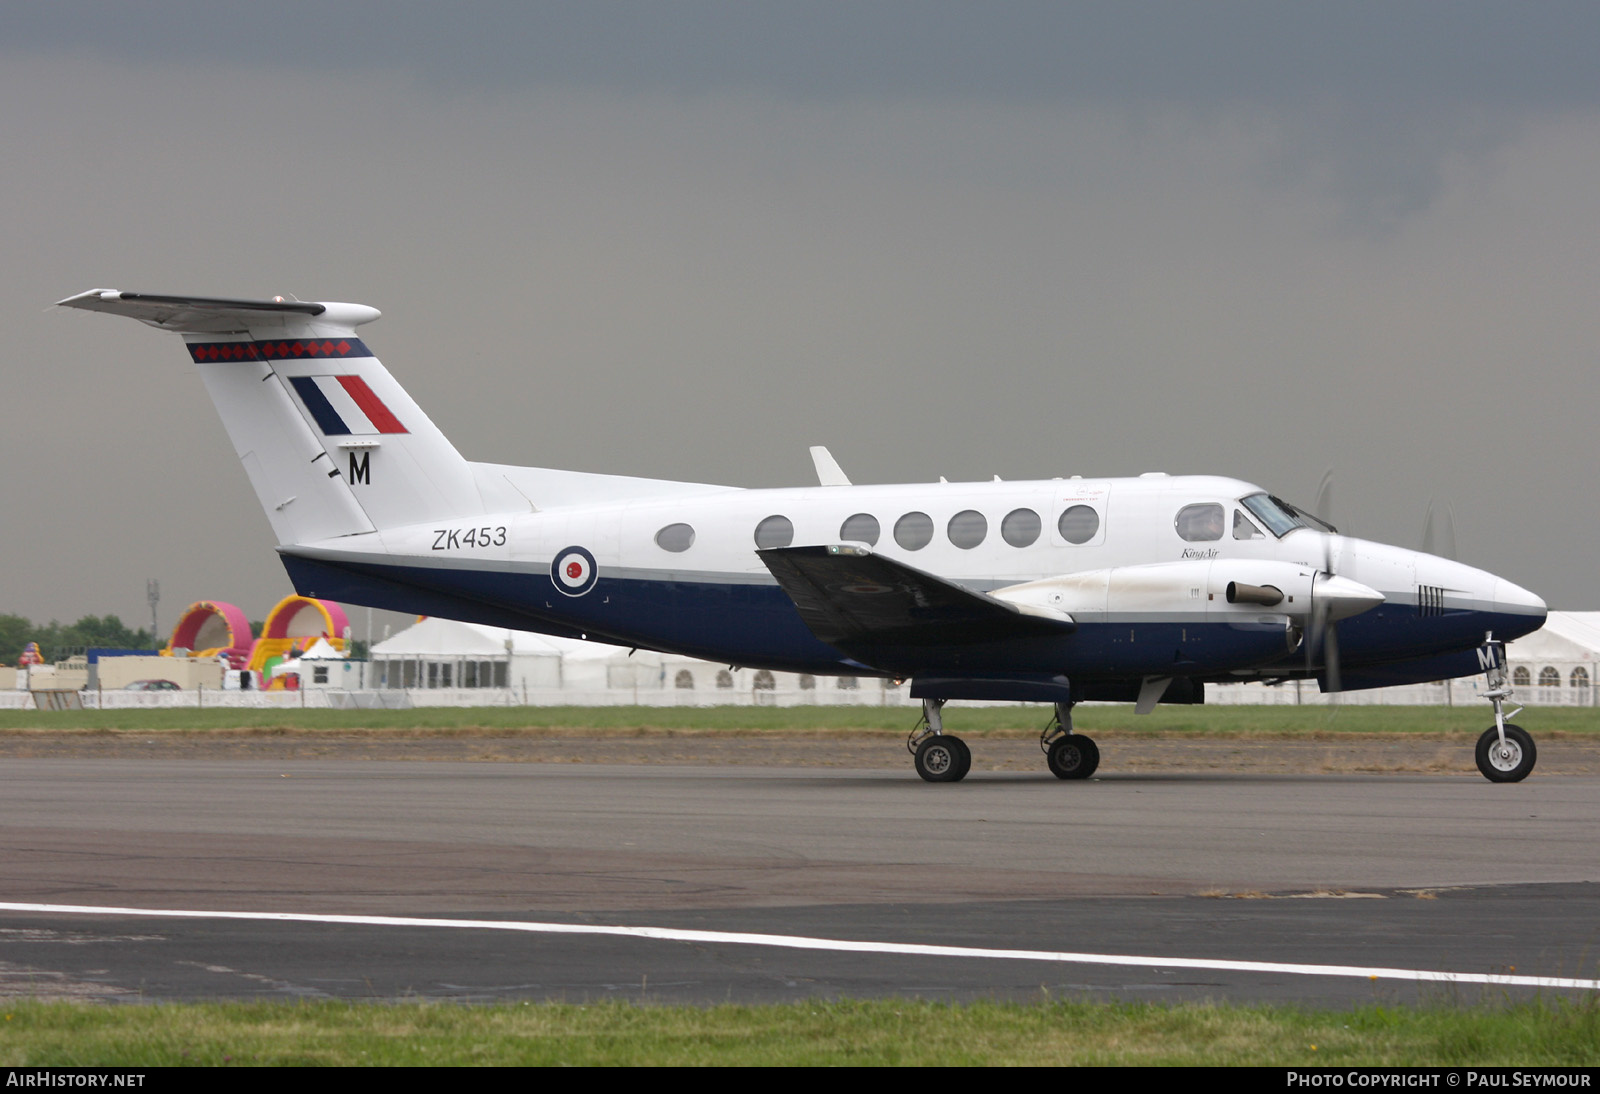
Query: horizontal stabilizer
{"points": [[214, 315], [854, 599]]}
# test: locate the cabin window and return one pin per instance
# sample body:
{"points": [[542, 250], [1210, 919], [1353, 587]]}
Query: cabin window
{"points": [[775, 531], [1078, 524], [1244, 527], [914, 531], [684, 681], [1020, 528], [967, 529], [861, 528], [675, 538], [1199, 523], [1549, 677]]}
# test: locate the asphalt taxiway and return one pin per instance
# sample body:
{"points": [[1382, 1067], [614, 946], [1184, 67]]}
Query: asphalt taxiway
{"points": [[1437, 874]]}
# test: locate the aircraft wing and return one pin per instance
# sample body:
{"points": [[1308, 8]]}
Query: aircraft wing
{"points": [[852, 598]]}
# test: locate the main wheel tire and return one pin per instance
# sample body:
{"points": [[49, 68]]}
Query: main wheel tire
{"points": [[1508, 763], [966, 757], [1073, 757], [942, 759]]}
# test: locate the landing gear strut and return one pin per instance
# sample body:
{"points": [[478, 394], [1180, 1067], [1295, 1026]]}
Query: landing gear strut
{"points": [[1505, 753], [1070, 755], [940, 757]]}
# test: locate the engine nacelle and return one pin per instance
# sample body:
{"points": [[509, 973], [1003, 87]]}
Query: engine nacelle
{"points": [[1212, 590]]}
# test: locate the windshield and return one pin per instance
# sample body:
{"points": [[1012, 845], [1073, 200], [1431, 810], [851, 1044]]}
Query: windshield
{"points": [[1280, 517]]}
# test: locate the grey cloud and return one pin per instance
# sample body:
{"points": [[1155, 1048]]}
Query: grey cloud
{"points": [[1374, 99], [1396, 53]]}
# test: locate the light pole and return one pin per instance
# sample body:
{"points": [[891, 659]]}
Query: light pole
{"points": [[152, 593]]}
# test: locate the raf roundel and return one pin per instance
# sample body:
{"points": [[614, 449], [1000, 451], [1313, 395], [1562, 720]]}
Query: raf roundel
{"points": [[573, 571]]}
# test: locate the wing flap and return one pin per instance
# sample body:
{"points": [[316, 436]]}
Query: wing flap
{"points": [[852, 598]]}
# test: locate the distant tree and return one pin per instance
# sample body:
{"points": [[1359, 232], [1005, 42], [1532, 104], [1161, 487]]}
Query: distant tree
{"points": [[15, 632], [58, 641], [109, 632]]}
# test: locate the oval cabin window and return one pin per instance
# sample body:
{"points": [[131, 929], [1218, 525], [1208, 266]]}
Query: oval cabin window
{"points": [[775, 531], [1078, 524], [967, 529], [1199, 523], [1020, 527], [676, 538], [914, 531], [861, 528]]}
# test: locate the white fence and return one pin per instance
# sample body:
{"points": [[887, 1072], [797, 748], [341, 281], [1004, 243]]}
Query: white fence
{"points": [[1465, 692], [869, 694]]}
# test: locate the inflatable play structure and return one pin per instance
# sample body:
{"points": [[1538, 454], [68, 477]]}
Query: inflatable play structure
{"points": [[210, 628]]}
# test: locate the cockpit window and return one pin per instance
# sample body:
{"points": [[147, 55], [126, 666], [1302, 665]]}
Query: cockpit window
{"points": [[1280, 517], [1199, 523], [1244, 527]]}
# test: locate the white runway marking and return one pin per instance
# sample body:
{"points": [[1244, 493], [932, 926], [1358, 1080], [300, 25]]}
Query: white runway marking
{"points": [[838, 945]]}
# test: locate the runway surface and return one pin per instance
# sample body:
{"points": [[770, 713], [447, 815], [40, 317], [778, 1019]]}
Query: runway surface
{"points": [[1409, 872]]}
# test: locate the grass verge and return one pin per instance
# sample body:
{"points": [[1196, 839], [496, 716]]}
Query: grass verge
{"points": [[884, 1032]]}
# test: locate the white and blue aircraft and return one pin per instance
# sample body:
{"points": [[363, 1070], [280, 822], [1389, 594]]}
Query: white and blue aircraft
{"points": [[1059, 591]]}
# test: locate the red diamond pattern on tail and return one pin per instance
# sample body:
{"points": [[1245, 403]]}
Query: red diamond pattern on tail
{"points": [[275, 351]]}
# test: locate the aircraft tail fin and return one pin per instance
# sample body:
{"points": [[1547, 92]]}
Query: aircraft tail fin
{"points": [[332, 443]]}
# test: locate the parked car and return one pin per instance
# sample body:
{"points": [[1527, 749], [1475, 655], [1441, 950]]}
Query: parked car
{"points": [[152, 685]]}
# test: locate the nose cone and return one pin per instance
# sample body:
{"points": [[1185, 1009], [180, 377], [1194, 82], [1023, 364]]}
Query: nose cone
{"points": [[1512, 599]]}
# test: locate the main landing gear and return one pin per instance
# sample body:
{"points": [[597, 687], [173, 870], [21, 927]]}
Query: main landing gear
{"points": [[944, 758], [1505, 752], [940, 757], [1070, 755]]}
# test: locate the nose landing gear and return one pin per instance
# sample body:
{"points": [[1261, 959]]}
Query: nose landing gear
{"points": [[1505, 752]]}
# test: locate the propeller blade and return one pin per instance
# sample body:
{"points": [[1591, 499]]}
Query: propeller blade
{"points": [[1333, 598], [1331, 659], [1442, 542], [1324, 513], [1324, 506]]}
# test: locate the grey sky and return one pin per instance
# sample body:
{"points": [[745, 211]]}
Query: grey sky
{"points": [[691, 239]]}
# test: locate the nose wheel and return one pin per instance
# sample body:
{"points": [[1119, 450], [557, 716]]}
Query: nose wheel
{"points": [[1506, 760], [1505, 753]]}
